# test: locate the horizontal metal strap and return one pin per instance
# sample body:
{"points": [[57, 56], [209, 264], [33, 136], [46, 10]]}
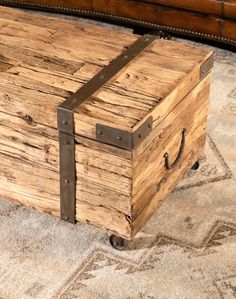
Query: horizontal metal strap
{"points": [[65, 115]]}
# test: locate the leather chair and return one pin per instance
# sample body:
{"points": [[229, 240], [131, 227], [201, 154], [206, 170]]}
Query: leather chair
{"points": [[207, 19]]}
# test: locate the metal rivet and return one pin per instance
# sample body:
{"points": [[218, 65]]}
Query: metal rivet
{"points": [[119, 137], [66, 218], [139, 136], [125, 56], [65, 122], [99, 132], [67, 142], [101, 77], [149, 125], [67, 181]]}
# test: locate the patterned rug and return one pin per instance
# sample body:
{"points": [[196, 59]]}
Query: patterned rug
{"points": [[186, 250]]}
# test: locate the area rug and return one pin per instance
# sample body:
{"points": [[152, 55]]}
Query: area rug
{"points": [[186, 250]]}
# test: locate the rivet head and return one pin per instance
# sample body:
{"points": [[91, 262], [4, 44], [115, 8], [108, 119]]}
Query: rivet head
{"points": [[119, 137], [149, 125], [67, 181], [99, 132], [65, 122], [66, 218], [101, 77], [125, 56]]}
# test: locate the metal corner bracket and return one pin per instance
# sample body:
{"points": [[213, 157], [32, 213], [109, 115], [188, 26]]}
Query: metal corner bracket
{"points": [[65, 124], [121, 138], [207, 66]]}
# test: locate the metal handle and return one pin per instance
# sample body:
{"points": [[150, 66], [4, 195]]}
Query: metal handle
{"points": [[180, 154]]}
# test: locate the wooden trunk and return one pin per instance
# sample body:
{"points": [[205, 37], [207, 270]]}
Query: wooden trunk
{"points": [[163, 90]]}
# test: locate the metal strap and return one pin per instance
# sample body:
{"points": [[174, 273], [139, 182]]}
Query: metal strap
{"points": [[65, 120], [67, 176], [65, 115]]}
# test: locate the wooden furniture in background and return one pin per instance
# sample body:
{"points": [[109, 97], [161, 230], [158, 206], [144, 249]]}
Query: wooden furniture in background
{"points": [[207, 19]]}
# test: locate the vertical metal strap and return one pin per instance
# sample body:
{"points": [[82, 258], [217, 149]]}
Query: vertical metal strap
{"points": [[68, 176], [65, 119]]}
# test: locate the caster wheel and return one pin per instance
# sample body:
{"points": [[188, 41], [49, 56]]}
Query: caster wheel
{"points": [[118, 242], [195, 166]]}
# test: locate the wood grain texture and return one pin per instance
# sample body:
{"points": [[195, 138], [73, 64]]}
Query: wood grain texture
{"points": [[32, 85], [151, 180], [121, 102], [29, 173], [204, 19], [29, 164], [52, 60]]}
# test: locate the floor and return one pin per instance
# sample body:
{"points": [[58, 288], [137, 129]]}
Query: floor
{"points": [[186, 250]]}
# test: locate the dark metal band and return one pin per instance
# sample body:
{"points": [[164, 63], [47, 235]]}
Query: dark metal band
{"points": [[65, 115], [65, 119], [67, 177]]}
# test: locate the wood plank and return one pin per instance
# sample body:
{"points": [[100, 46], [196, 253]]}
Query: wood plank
{"points": [[98, 195], [167, 185], [130, 104], [29, 184], [64, 42], [147, 194], [103, 172], [72, 26], [165, 85], [186, 115], [103, 217]]}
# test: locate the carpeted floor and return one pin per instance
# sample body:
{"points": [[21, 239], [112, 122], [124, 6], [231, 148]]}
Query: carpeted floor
{"points": [[187, 249]]}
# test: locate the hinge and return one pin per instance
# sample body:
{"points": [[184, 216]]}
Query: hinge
{"points": [[206, 66], [121, 138]]}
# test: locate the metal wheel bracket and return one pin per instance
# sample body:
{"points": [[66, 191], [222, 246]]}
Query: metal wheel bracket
{"points": [[118, 243], [196, 165]]}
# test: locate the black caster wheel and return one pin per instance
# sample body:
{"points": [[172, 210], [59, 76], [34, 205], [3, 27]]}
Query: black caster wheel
{"points": [[196, 165], [118, 242]]}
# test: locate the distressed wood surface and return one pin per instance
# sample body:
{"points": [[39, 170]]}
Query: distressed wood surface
{"points": [[29, 174], [53, 59], [122, 102], [148, 162]]}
